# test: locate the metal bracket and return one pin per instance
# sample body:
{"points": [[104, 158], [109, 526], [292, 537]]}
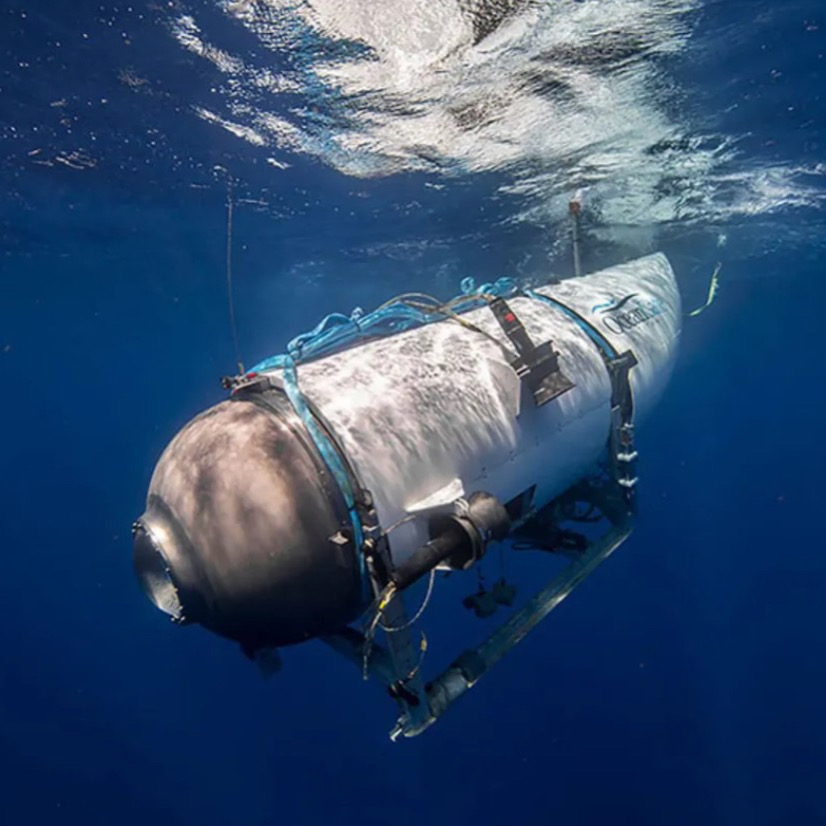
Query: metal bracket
{"points": [[538, 366], [622, 455]]}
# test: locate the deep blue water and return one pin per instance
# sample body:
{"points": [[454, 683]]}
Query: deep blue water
{"points": [[683, 683]]}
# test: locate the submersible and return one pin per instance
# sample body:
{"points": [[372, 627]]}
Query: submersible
{"points": [[385, 446]]}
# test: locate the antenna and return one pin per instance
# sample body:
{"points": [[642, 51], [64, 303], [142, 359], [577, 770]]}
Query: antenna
{"points": [[575, 208], [231, 303]]}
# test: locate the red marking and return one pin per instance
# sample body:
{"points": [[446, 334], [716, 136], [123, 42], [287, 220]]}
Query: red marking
{"points": [[510, 318], [252, 375]]}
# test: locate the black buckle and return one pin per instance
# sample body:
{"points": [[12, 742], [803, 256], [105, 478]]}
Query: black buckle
{"points": [[537, 366]]}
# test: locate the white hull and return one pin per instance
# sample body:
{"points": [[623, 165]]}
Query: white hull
{"points": [[435, 412]]}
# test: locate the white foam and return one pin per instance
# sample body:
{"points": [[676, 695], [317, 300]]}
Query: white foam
{"points": [[561, 95]]}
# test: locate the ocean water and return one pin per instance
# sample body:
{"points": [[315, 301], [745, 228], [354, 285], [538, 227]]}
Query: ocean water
{"points": [[370, 147]]}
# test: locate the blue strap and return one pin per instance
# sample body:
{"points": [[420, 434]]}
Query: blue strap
{"points": [[326, 448], [609, 352]]}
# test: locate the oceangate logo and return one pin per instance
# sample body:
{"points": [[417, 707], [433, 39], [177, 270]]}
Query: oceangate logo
{"points": [[623, 314]]}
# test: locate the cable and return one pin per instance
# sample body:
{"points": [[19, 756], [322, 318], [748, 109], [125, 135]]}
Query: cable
{"points": [[384, 599], [404, 297], [422, 607], [403, 521], [445, 310]]}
